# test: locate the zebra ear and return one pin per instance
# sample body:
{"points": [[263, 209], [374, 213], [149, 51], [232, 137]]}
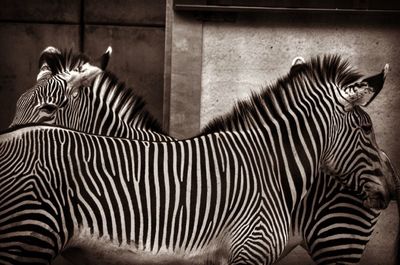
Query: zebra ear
{"points": [[362, 93], [298, 60], [104, 59], [44, 69], [297, 63]]}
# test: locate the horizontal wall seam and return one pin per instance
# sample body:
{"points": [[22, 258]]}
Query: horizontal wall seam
{"points": [[86, 24]]}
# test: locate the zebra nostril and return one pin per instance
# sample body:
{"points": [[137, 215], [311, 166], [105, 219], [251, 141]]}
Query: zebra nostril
{"points": [[48, 108]]}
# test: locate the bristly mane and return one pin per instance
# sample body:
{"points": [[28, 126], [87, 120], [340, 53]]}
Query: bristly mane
{"points": [[67, 61], [328, 68], [64, 61], [135, 103]]}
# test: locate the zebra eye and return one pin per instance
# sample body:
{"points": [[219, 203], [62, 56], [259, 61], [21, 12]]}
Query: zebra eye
{"points": [[75, 93], [48, 108], [367, 128]]}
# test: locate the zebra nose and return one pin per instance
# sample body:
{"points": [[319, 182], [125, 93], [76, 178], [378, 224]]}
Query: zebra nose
{"points": [[377, 196]]}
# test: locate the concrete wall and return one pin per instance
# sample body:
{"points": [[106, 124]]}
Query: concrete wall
{"points": [[134, 28], [244, 52]]}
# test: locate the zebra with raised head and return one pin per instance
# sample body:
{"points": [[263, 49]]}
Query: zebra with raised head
{"points": [[252, 198], [353, 224]]}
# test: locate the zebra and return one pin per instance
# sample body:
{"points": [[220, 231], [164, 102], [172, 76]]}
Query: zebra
{"points": [[261, 238], [65, 94], [331, 223], [343, 246]]}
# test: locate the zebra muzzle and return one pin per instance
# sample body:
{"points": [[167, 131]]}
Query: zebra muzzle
{"points": [[377, 197]]}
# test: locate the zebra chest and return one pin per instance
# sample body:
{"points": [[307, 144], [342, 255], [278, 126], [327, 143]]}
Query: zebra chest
{"points": [[86, 249]]}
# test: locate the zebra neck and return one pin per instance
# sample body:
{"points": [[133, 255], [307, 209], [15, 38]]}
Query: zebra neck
{"points": [[116, 110]]}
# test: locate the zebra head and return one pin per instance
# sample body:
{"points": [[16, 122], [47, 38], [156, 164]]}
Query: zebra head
{"points": [[51, 93], [352, 155], [73, 93]]}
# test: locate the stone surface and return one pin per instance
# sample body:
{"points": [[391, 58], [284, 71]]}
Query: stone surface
{"points": [[125, 12], [19, 55], [137, 58], [40, 10], [186, 54]]}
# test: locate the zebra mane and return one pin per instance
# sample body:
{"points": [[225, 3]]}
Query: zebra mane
{"points": [[137, 115], [330, 68], [64, 61], [67, 60]]}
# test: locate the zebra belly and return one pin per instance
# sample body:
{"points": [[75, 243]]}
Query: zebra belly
{"points": [[88, 249]]}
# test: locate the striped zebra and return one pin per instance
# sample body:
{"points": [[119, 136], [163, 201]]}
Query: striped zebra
{"points": [[344, 235], [260, 245], [68, 94], [332, 223]]}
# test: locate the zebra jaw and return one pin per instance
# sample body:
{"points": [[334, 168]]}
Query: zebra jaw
{"points": [[391, 175]]}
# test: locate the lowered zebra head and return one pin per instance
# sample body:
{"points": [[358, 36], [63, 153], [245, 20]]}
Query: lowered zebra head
{"points": [[352, 154], [60, 75], [351, 97]]}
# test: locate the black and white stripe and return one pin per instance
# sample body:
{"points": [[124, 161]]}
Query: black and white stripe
{"points": [[105, 106], [244, 148]]}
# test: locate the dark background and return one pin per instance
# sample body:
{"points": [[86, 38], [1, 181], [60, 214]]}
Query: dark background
{"points": [[135, 29]]}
